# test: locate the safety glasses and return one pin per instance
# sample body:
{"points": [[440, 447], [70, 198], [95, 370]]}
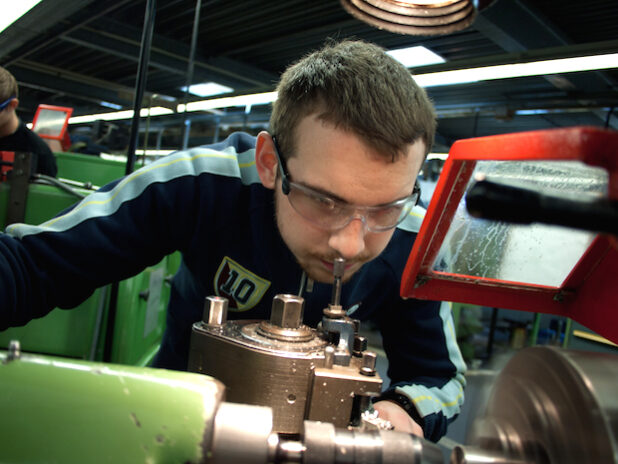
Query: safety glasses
{"points": [[332, 214], [6, 102]]}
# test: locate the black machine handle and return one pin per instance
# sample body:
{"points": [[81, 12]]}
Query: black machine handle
{"points": [[489, 200]]}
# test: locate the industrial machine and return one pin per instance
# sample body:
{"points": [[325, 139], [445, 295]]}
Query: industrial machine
{"points": [[278, 391], [323, 374], [59, 410], [547, 406], [294, 394]]}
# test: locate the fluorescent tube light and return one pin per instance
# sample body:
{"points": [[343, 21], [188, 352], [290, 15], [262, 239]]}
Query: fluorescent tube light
{"points": [[128, 114], [530, 112], [416, 56], [505, 71], [113, 106], [224, 102], [13, 10], [207, 89], [508, 71]]}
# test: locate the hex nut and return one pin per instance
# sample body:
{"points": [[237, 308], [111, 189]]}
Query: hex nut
{"points": [[287, 311]]}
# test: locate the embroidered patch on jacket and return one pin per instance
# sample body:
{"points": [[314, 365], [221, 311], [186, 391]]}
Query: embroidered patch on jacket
{"points": [[240, 286]]}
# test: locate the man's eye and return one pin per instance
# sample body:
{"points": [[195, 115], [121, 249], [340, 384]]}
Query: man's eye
{"points": [[387, 212], [324, 202]]}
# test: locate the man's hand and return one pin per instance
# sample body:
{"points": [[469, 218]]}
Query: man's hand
{"points": [[396, 415]]}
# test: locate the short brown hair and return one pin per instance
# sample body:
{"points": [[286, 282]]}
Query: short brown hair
{"points": [[356, 86], [8, 85]]}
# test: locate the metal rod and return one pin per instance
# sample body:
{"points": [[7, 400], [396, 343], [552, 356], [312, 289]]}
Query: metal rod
{"points": [[142, 72], [96, 334], [146, 133], [186, 133], [338, 270], [215, 137], [190, 67]]}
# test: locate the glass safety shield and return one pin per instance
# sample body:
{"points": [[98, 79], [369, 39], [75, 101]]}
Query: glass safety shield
{"points": [[50, 123], [550, 245]]}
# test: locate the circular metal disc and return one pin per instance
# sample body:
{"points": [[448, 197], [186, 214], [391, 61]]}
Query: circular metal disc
{"points": [[552, 405]]}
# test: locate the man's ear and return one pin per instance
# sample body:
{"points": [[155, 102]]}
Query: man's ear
{"points": [[13, 104], [266, 160]]}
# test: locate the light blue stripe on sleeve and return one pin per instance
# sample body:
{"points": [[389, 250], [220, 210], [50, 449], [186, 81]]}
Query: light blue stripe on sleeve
{"points": [[185, 163]]}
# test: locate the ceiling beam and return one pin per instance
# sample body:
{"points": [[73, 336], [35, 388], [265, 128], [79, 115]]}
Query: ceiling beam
{"points": [[36, 23], [59, 82], [79, 86], [47, 21], [504, 27], [171, 55]]}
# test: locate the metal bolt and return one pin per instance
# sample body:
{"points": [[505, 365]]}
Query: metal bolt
{"points": [[334, 312], [329, 356], [215, 310], [360, 345], [287, 311], [369, 363], [360, 403]]}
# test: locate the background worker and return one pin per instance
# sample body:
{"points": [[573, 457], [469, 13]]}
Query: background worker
{"points": [[254, 217], [15, 135]]}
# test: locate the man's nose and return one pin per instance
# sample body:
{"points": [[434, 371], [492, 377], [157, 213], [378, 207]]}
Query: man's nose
{"points": [[349, 241]]}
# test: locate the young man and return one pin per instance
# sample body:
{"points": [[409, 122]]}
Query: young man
{"points": [[14, 135], [334, 177]]}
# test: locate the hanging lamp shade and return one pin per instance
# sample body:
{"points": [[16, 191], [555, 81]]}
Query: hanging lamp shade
{"points": [[416, 17]]}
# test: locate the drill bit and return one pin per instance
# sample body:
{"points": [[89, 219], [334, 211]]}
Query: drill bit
{"points": [[338, 270]]}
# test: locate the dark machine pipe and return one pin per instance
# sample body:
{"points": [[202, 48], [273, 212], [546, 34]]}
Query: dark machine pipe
{"points": [[142, 71]]}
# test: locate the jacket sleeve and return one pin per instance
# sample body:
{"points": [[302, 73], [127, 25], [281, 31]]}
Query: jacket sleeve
{"points": [[110, 235], [426, 368]]}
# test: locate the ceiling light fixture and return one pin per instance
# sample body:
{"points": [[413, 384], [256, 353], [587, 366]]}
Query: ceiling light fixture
{"points": [[12, 11], [416, 17], [207, 89], [113, 106], [128, 114], [460, 76], [414, 57], [226, 102], [509, 71]]}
